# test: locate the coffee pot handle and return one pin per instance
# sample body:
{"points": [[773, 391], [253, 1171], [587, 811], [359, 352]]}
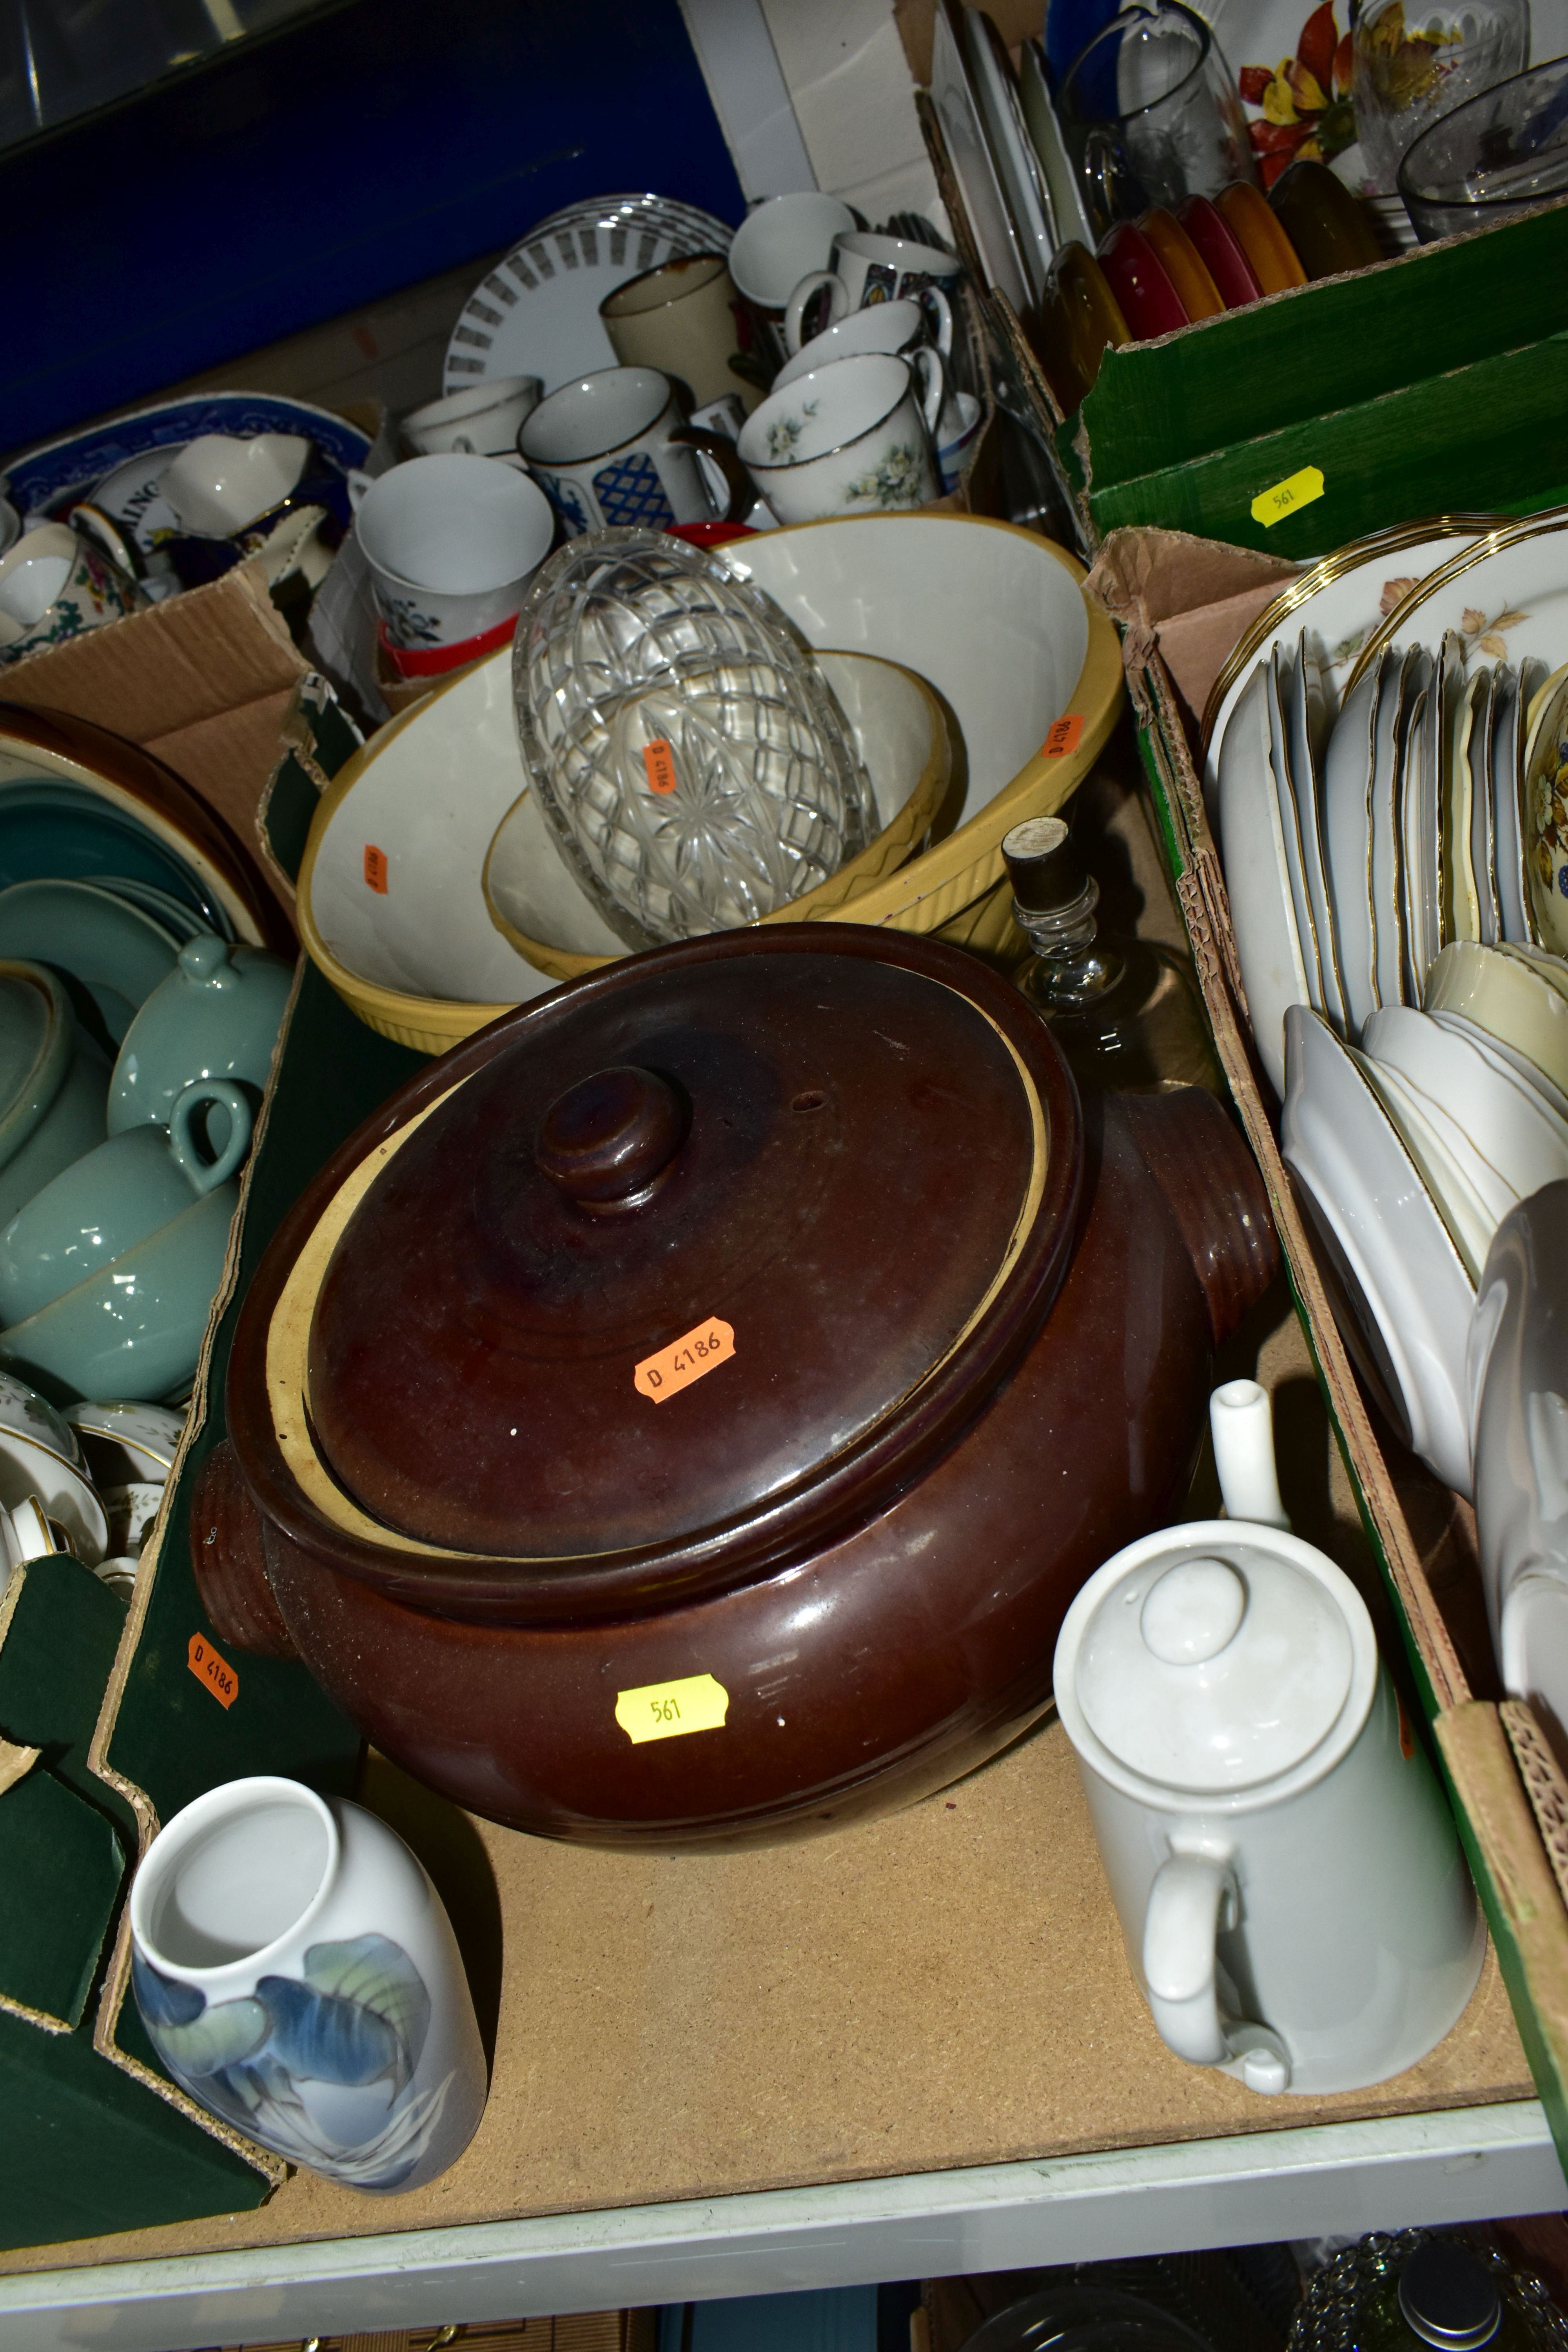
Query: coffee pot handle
{"points": [[202, 1174], [1192, 1903]]}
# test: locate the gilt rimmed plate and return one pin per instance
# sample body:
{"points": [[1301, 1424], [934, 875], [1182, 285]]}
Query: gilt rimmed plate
{"points": [[1347, 844], [1341, 600], [1307, 717], [1280, 685], [537, 312], [1506, 594], [1257, 881]]}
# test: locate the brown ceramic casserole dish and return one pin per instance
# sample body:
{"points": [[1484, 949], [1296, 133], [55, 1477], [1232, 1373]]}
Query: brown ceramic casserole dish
{"points": [[762, 1312]]}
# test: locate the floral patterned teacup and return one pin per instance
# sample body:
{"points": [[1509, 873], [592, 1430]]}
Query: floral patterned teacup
{"points": [[298, 1979], [452, 542], [55, 584], [853, 437]]}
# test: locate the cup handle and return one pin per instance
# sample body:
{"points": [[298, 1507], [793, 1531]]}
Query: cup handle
{"points": [[820, 281], [1192, 1902], [930, 370], [743, 490], [358, 485], [204, 1175], [939, 310]]}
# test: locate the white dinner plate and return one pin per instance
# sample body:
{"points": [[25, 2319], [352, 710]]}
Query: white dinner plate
{"points": [[1257, 881], [1347, 846], [1280, 688], [1400, 1278], [537, 312], [1506, 594], [972, 168], [1017, 167], [1307, 715], [1471, 1197], [1507, 1055], [1069, 216], [1508, 1121]]}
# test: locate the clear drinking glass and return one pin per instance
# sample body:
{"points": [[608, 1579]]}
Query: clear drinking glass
{"points": [[1150, 114], [1494, 155], [1416, 61]]}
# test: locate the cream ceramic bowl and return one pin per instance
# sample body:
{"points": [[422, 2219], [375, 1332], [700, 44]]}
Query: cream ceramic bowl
{"points": [[1501, 994], [537, 903], [390, 906], [995, 619]]}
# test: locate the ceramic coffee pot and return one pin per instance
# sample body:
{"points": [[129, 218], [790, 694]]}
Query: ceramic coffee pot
{"points": [[1295, 1905], [685, 1412]]}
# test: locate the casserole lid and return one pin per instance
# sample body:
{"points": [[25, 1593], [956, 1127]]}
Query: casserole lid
{"points": [[712, 1249]]}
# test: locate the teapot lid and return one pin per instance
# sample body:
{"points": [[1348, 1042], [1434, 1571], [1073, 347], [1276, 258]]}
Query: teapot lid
{"points": [[706, 1254], [1214, 1657]]}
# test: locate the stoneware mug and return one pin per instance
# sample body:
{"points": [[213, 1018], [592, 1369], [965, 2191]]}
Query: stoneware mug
{"points": [[115, 1196], [867, 270], [55, 584], [681, 318], [851, 438], [610, 451], [480, 421], [1294, 1902], [452, 542], [216, 1015], [300, 1978]]}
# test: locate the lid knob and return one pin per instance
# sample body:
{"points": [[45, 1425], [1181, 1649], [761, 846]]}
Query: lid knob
{"points": [[205, 961], [1193, 1612], [606, 1141]]}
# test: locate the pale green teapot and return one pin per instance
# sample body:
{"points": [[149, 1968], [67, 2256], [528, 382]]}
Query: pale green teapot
{"points": [[215, 1016]]}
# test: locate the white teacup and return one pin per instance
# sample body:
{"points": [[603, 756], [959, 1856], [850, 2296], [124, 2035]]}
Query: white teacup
{"points": [[853, 437], [218, 484], [956, 429], [610, 452], [452, 542], [867, 270], [898, 326], [480, 421], [54, 585]]}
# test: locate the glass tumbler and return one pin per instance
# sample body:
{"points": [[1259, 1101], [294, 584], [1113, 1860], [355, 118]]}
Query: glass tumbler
{"points": [[1150, 114], [1416, 61]]}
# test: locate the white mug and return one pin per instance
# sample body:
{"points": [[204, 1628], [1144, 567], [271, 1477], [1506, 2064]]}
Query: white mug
{"points": [[610, 451], [867, 270], [851, 438], [1294, 1902], [898, 326], [777, 243], [452, 542], [480, 421]]}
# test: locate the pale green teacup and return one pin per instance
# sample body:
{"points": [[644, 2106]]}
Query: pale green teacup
{"points": [[115, 1197]]}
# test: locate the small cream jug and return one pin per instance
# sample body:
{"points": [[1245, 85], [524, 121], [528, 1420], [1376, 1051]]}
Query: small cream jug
{"points": [[1290, 1883]]}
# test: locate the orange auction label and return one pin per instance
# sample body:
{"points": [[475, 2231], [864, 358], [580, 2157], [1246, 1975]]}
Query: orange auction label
{"points": [[660, 761], [375, 868], [685, 1359], [1063, 737], [208, 1667]]}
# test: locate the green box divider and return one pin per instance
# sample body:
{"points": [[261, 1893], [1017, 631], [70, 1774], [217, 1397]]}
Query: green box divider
{"points": [[61, 1867], [1330, 345], [1472, 440]]}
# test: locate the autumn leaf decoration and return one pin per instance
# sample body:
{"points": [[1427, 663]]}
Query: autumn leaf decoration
{"points": [[1307, 111], [1483, 636], [1403, 68]]}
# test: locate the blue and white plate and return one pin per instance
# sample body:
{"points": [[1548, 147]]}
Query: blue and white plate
{"points": [[48, 478]]}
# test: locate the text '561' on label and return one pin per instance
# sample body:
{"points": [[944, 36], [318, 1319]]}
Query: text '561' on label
{"points": [[660, 761], [685, 1359], [1299, 490], [670, 1710], [214, 1672], [376, 868], [1064, 736]]}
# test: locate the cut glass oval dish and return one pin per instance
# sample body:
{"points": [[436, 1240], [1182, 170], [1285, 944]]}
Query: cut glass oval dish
{"points": [[689, 756]]}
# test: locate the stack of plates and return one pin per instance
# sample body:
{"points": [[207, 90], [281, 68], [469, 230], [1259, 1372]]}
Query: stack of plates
{"points": [[537, 312]]}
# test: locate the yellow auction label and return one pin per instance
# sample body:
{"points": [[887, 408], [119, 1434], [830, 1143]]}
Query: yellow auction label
{"points": [[667, 1710], [1270, 507]]}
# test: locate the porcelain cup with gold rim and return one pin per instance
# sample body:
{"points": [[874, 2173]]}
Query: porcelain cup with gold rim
{"points": [[853, 437]]}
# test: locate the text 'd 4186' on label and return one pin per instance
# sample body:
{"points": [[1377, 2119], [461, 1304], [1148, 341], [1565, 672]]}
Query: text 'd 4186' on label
{"points": [[685, 1359]]}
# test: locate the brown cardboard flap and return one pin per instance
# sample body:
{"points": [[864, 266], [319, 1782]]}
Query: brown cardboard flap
{"points": [[1191, 598], [229, 756]]}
